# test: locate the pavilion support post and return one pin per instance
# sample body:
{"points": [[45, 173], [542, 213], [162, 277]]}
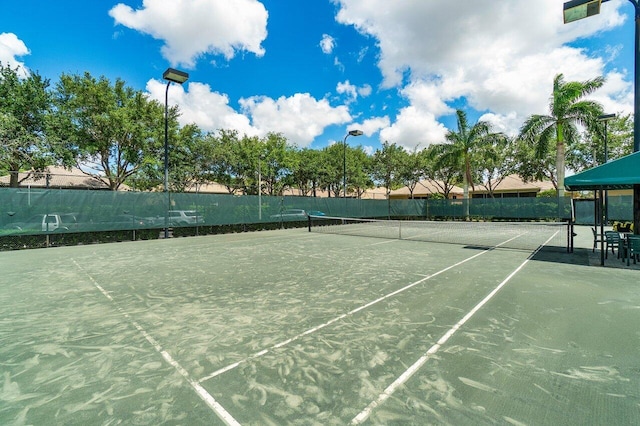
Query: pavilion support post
{"points": [[600, 211], [636, 209]]}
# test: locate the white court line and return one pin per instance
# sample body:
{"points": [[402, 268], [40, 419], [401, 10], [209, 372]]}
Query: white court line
{"points": [[356, 310], [364, 414], [202, 393]]}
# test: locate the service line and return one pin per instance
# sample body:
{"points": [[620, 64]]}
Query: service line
{"points": [[345, 315], [364, 414]]}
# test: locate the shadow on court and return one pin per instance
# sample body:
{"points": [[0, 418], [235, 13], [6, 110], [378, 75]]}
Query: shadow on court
{"points": [[579, 257]]}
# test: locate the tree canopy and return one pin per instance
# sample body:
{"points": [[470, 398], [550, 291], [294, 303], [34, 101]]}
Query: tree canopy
{"points": [[24, 108], [567, 110], [116, 134], [111, 129]]}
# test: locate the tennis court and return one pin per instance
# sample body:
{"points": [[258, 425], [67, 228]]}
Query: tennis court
{"points": [[292, 327]]}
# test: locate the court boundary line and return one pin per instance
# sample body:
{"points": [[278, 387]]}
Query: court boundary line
{"points": [[408, 373], [343, 316], [208, 399]]}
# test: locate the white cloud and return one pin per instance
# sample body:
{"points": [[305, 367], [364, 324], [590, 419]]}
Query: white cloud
{"points": [[414, 128], [209, 110], [439, 52], [372, 125], [416, 125], [198, 27], [439, 37], [352, 92], [365, 90], [300, 118], [11, 47], [508, 124], [616, 95], [347, 89], [327, 44]]}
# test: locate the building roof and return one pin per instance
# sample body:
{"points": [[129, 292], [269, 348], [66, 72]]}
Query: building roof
{"points": [[514, 183], [58, 177], [208, 188], [378, 193], [424, 188]]}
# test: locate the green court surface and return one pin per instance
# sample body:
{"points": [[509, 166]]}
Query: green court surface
{"points": [[291, 327]]}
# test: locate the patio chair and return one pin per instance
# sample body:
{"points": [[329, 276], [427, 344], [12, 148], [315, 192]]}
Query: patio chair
{"points": [[633, 248], [613, 240], [596, 239]]}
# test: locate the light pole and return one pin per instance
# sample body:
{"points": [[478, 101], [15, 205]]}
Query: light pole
{"points": [[172, 76], [259, 188], [344, 159], [606, 118], [578, 9]]}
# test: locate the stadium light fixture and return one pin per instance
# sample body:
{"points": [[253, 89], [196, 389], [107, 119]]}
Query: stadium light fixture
{"points": [[172, 76], [175, 76], [344, 159], [584, 9], [579, 9]]}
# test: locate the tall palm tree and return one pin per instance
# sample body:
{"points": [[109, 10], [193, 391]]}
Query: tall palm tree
{"points": [[567, 110], [464, 144]]}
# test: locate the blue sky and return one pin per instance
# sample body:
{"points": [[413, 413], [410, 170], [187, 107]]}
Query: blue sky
{"points": [[315, 69]]}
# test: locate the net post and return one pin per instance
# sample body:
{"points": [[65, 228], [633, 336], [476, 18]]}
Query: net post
{"points": [[309, 222]]}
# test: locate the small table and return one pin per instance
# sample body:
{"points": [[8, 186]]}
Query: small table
{"points": [[624, 235]]}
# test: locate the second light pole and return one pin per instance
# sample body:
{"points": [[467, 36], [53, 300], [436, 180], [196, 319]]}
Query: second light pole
{"points": [[344, 159], [605, 118], [172, 76]]}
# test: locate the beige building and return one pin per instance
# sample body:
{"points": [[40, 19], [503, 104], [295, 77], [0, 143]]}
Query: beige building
{"points": [[425, 189], [209, 188], [512, 186], [56, 177]]}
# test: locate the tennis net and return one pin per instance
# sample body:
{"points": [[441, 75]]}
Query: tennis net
{"points": [[514, 235]]}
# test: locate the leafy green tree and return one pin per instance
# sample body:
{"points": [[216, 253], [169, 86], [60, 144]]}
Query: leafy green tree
{"points": [[109, 128], [251, 154], [444, 176], [413, 169], [331, 172], [567, 110], [387, 165], [279, 163], [188, 158], [224, 163], [307, 175], [358, 171], [464, 150], [235, 160], [25, 104], [497, 161], [532, 165], [589, 150]]}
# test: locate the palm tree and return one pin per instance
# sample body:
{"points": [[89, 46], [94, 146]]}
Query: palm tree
{"points": [[567, 110], [464, 145]]}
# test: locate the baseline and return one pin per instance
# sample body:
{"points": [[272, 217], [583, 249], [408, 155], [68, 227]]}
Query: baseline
{"points": [[218, 409]]}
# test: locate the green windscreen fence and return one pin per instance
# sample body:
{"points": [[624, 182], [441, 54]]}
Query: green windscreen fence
{"points": [[35, 211], [617, 208]]}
